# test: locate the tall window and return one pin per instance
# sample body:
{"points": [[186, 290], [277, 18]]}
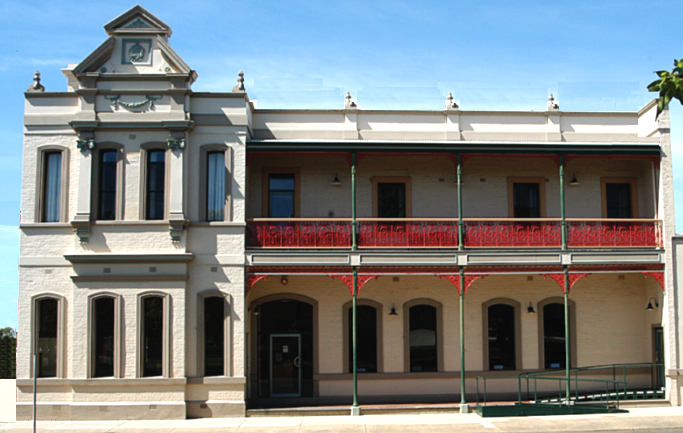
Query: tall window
{"points": [[215, 186], [281, 195], [103, 333], [156, 182], [366, 339], [107, 186], [526, 197], [152, 336], [619, 200], [391, 197], [52, 186], [423, 338], [619, 197], [214, 336], [501, 337], [47, 314], [554, 348]]}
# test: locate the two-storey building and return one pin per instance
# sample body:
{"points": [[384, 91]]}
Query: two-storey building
{"points": [[188, 254]]}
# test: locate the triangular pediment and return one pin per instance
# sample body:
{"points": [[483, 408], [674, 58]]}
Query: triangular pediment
{"points": [[137, 20]]}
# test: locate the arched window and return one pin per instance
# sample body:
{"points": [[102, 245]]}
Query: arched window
{"points": [[47, 330], [214, 312], [552, 342], [502, 335], [107, 184], [154, 336], [51, 184], [423, 336], [368, 336], [103, 332], [156, 184]]}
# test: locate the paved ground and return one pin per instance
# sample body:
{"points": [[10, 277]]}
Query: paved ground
{"points": [[638, 419]]}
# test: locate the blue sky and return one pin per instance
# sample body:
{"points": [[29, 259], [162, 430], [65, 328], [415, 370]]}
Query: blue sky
{"points": [[497, 55]]}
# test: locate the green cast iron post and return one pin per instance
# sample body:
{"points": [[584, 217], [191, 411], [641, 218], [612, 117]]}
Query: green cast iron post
{"points": [[460, 222], [566, 327], [354, 223], [462, 335], [355, 371], [563, 226]]}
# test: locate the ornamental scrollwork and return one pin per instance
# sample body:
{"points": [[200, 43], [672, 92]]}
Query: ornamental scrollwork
{"points": [[176, 144], [85, 144], [116, 101]]}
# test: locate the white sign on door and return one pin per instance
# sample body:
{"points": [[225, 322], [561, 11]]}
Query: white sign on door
{"points": [[285, 349]]}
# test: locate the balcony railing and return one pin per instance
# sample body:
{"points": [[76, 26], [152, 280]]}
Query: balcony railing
{"points": [[299, 233], [600, 233], [408, 233], [443, 233], [513, 232]]}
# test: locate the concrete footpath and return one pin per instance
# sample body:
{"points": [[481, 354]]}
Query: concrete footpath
{"points": [[638, 419]]}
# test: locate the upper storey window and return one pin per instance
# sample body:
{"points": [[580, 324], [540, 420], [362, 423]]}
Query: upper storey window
{"points": [[107, 185], [391, 197], [156, 183], [281, 195], [215, 186], [619, 199], [526, 197], [52, 186]]}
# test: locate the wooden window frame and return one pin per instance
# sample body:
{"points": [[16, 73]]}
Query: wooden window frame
{"points": [[511, 193], [634, 193], [96, 181], [266, 189], [40, 183], [572, 331], [61, 316], [439, 333], [203, 186], [518, 331], [118, 334], [387, 179], [345, 329], [227, 332], [144, 153], [166, 337]]}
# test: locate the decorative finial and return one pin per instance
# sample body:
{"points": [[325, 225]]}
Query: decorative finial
{"points": [[36, 86], [240, 83], [552, 104], [450, 103], [348, 103]]}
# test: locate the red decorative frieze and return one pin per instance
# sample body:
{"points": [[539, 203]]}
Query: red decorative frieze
{"points": [[559, 278], [407, 233], [299, 233], [614, 233], [573, 278], [512, 233], [659, 276], [469, 279], [454, 279], [348, 280]]}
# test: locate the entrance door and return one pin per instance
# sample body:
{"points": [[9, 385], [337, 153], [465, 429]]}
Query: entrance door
{"points": [[659, 357], [285, 365]]}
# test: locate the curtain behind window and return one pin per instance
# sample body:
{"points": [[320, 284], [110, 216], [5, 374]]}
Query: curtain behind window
{"points": [[215, 182], [52, 185]]}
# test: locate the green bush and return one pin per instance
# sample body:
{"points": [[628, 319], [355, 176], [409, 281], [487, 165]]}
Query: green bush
{"points": [[8, 353]]}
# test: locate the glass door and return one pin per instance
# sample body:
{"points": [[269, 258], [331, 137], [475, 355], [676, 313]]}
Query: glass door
{"points": [[285, 365]]}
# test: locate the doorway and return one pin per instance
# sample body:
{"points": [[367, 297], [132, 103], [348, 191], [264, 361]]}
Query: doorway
{"points": [[285, 365]]}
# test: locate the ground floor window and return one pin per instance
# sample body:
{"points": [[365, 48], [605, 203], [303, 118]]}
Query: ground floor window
{"points": [[366, 339], [501, 337], [103, 324], [214, 336], [47, 325], [423, 338], [152, 336]]}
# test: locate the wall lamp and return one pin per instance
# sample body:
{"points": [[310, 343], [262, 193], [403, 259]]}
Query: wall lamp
{"points": [[649, 304], [574, 181], [530, 309], [393, 310], [336, 181], [284, 281]]}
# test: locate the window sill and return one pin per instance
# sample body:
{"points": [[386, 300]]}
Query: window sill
{"points": [[220, 224]]}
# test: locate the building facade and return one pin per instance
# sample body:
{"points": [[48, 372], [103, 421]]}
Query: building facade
{"points": [[186, 254]]}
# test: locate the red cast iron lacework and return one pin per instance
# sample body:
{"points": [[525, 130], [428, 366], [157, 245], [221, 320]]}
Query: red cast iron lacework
{"points": [[348, 280], [512, 233], [455, 280], [302, 233], [619, 233], [408, 233], [573, 278], [253, 279], [659, 276]]}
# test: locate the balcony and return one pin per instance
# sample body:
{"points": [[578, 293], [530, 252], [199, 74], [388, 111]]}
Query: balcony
{"points": [[443, 233]]}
